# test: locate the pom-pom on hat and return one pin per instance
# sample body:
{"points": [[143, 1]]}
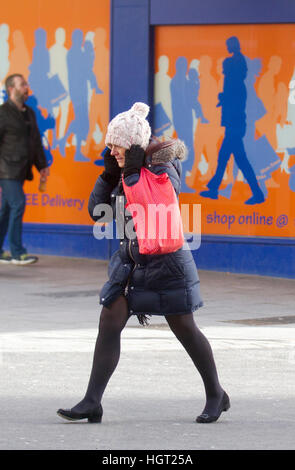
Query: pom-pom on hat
{"points": [[130, 128]]}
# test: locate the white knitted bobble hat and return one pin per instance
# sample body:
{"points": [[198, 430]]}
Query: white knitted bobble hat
{"points": [[130, 128]]}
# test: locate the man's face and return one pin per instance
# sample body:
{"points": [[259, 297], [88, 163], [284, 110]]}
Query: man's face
{"points": [[20, 90]]}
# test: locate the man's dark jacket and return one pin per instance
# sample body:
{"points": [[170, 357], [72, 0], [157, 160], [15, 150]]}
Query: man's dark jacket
{"points": [[19, 149]]}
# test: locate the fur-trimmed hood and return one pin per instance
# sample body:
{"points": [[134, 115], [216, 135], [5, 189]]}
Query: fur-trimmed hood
{"points": [[162, 152]]}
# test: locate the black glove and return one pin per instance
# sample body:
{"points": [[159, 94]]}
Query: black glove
{"points": [[134, 160], [112, 170]]}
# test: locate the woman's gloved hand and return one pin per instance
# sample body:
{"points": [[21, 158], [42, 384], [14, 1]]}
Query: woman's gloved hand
{"points": [[134, 160], [112, 170]]}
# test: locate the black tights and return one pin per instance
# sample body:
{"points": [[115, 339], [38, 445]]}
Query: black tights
{"points": [[107, 354]]}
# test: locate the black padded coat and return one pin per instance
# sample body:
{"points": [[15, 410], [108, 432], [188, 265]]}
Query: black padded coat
{"points": [[153, 284]]}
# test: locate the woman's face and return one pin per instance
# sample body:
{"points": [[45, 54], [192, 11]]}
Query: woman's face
{"points": [[119, 154]]}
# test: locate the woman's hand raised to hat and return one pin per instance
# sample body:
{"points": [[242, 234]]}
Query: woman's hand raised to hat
{"points": [[112, 170], [134, 160]]}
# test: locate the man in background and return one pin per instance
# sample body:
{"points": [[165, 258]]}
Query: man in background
{"points": [[20, 150]]}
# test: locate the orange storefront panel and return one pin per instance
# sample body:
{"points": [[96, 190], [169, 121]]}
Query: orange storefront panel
{"points": [[227, 97], [62, 48]]}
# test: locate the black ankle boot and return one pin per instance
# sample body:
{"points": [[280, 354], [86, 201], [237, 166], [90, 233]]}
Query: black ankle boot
{"points": [[93, 416], [224, 406]]}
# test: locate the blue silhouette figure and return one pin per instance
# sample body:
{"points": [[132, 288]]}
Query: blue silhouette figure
{"points": [[160, 119], [80, 64], [233, 117], [43, 125], [79, 96], [193, 93], [89, 63], [292, 178], [49, 91], [182, 116], [260, 153], [39, 69]]}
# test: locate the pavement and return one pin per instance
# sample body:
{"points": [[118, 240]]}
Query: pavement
{"points": [[49, 318]]}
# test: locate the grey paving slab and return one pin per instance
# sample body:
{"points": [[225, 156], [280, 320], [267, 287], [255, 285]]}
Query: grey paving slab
{"points": [[49, 317]]}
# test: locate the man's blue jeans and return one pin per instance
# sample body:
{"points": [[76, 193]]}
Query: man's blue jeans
{"points": [[12, 208]]}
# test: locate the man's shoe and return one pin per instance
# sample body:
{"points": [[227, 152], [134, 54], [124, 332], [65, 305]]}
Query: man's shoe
{"points": [[5, 258], [24, 259]]}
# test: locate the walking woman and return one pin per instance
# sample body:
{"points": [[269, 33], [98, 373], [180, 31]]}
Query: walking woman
{"points": [[144, 285]]}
